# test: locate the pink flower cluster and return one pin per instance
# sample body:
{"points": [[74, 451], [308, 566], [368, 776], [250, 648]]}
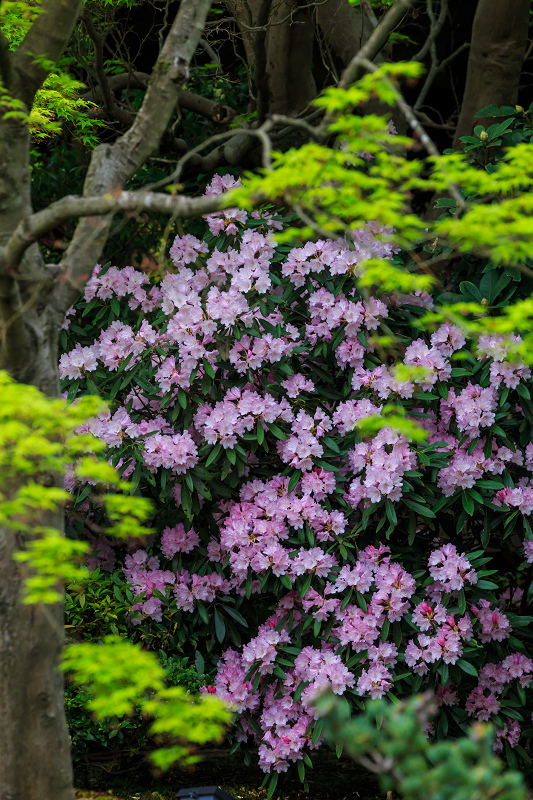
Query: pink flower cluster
{"points": [[238, 413], [284, 721], [483, 702], [383, 461]]}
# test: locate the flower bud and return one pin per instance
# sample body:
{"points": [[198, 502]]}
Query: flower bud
{"points": [[484, 136], [519, 109]]}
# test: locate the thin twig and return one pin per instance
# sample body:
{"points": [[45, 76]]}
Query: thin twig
{"points": [[417, 127]]}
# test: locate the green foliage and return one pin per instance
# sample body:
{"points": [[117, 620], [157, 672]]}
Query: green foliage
{"points": [[389, 739], [39, 439], [122, 679], [365, 173], [17, 18], [57, 102], [367, 176]]}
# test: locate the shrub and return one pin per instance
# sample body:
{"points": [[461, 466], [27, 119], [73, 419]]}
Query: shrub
{"points": [[293, 551], [389, 740]]}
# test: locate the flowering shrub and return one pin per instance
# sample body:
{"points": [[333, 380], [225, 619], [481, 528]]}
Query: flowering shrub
{"points": [[291, 551]]}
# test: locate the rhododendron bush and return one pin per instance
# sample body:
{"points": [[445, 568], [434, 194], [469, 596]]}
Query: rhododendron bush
{"points": [[291, 551]]}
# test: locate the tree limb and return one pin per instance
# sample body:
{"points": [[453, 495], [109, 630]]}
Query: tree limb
{"points": [[376, 42], [112, 109], [113, 165], [210, 109], [435, 28], [417, 127], [33, 227]]}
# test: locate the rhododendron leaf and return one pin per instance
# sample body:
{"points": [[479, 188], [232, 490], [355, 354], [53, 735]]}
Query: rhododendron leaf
{"points": [[511, 712], [444, 672], [199, 662], [73, 390], [467, 502], [213, 455], [325, 465], [295, 477], [424, 511], [306, 584], [497, 430], [202, 611], [492, 485], [521, 693], [317, 731], [442, 725], [220, 627], [248, 586], [273, 782], [390, 511], [467, 667], [472, 446], [285, 581], [276, 431]]}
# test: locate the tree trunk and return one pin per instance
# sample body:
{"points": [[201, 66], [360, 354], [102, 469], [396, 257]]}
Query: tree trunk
{"points": [[278, 39], [289, 55], [499, 40], [34, 742], [344, 27]]}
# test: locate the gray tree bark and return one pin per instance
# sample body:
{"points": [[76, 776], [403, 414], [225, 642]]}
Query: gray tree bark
{"points": [[495, 62], [34, 743]]}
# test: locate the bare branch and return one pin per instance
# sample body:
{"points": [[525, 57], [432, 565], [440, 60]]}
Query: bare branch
{"points": [[33, 227], [369, 11], [435, 29], [210, 52], [260, 133], [433, 71], [216, 112], [415, 124], [112, 109], [376, 42], [318, 134], [210, 109], [112, 165]]}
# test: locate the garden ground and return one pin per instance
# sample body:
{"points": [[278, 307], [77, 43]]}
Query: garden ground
{"points": [[330, 780]]}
